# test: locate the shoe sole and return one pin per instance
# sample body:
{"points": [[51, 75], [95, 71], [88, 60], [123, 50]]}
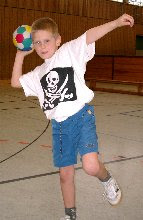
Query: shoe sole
{"points": [[117, 202]]}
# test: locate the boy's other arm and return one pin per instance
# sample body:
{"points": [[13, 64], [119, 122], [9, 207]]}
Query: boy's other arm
{"points": [[96, 33], [17, 68]]}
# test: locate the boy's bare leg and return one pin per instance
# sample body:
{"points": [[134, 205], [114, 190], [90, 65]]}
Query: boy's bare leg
{"points": [[68, 186], [93, 166]]}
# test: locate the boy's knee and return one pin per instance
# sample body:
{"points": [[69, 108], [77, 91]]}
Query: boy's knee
{"points": [[92, 169], [66, 174]]}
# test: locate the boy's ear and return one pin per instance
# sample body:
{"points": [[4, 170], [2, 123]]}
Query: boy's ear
{"points": [[58, 40]]}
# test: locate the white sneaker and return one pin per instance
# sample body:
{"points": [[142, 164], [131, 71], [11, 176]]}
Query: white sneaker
{"points": [[67, 217], [112, 191]]}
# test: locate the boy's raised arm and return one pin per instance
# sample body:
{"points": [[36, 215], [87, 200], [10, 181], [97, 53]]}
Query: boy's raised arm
{"points": [[96, 33], [17, 68]]}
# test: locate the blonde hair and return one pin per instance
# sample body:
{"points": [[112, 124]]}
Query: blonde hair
{"points": [[47, 24]]}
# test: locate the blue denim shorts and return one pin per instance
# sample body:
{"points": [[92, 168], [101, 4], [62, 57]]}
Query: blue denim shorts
{"points": [[77, 134]]}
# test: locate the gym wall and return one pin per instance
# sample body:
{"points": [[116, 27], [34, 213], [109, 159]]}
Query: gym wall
{"points": [[74, 18]]}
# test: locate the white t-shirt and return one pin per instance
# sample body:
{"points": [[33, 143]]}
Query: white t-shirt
{"points": [[59, 82]]}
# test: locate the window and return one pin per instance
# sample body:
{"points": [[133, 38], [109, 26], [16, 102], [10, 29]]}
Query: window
{"points": [[136, 2], [133, 2], [117, 0]]}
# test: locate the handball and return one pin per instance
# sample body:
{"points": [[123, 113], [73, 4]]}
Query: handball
{"points": [[22, 38]]}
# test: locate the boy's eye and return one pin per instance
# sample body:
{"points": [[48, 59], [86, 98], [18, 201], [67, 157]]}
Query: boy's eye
{"points": [[37, 42]]}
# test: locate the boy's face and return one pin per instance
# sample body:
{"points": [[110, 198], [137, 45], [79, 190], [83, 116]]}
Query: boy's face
{"points": [[45, 44]]}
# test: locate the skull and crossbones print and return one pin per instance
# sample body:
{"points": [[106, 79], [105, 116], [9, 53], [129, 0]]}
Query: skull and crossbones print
{"points": [[58, 86]]}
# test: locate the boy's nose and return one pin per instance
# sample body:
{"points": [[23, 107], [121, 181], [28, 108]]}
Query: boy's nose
{"points": [[43, 45]]}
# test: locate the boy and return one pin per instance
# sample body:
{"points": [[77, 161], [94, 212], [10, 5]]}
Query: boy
{"points": [[60, 87]]}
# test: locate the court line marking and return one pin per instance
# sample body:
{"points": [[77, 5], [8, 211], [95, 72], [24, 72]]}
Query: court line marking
{"points": [[27, 146], [120, 137], [57, 172], [78, 168]]}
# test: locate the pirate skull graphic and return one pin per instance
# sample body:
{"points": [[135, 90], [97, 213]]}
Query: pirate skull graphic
{"points": [[58, 86], [52, 81]]}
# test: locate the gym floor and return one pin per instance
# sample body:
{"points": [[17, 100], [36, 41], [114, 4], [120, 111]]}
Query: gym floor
{"points": [[29, 184]]}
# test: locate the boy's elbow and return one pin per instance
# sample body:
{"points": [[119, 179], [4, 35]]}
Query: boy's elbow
{"points": [[15, 84]]}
